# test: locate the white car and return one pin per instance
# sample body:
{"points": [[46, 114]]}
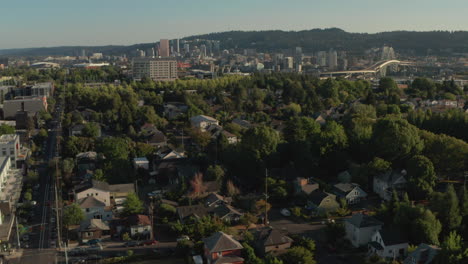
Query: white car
{"points": [[52, 219], [183, 238], [155, 193], [285, 212]]}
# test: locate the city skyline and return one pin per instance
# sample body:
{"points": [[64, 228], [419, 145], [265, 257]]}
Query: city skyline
{"points": [[86, 23]]}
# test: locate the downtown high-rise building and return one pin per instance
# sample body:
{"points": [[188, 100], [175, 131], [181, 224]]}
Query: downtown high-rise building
{"points": [[332, 59], [164, 48], [177, 46], [186, 47], [322, 58]]}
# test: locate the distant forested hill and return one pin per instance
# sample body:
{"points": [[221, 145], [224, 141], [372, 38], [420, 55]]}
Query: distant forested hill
{"points": [[411, 42]]}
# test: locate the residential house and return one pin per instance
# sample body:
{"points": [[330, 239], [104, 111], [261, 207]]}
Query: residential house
{"points": [[95, 209], [169, 154], [102, 191], [214, 200], [270, 240], [360, 228], [386, 183], [305, 186], [188, 211], [92, 229], [141, 163], [226, 213], [322, 202], [10, 148], [173, 110], [349, 191], [424, 254], [222, 248], [388, 244], [96, 189], [202, 122], [153, 136], [231, 138], [139, 225]]}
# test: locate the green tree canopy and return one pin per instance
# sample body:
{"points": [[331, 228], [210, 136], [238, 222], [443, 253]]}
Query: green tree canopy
{"points": [[422, 177], [132, 205], [73, 215], [260, 141], [395, 139]]}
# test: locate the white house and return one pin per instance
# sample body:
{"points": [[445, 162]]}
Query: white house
{"points": [[385, 183], [349, 191], [95, 209], [388, 244], [139, 225], [96, 189], [360, 228], [202, 122]]}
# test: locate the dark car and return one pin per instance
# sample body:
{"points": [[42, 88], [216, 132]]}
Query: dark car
{"points": [[93, 241], [93, 257], [163, 252], [150, 242], [131, 244]]}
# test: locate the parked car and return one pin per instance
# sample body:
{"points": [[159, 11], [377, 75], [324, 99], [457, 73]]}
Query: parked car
{"points": [[25, 238], [155, 193], [183, 238], [131, 244], [93, 257], [79, 251], [150, 242], [163, 252], [93, 241], [52, 219], [285, 212], [53, 244], [97, 246]]}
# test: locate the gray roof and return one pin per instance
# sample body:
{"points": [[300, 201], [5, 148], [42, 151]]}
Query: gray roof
{"points": [[89, 202], [345, 187], [389, 176], [219, 242], [122, 188], [271, 237], [103, 186], [224, 209], [93, 224], [424, 254], [361, 220], [197, 211]]}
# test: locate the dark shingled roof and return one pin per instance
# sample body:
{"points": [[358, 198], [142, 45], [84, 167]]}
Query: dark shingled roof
{"points": [[140, 220], [392, 237], [197, 211], [345, 187], [271, 237], [317, 196], [219, 242], [361, 220]]}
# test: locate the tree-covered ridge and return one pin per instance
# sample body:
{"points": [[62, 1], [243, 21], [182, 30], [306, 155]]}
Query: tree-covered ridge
{"points": [[311, 40]]}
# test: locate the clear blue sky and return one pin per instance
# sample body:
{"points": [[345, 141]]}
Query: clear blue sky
{"points": [[39, 23]]}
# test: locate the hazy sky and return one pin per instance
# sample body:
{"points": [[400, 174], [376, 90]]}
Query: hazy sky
{"points": [[39, 23]]}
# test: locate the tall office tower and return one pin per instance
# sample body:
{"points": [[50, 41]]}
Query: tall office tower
{"points": [[172, 50], [141, 53], [209, 47], [186, 48], [150, 53], [288, 63], [83, 53], [164, 48], [217, 47], [158, 69], [177, 46], [203, 50], [322, 58], [332, 59], [298, 51]]}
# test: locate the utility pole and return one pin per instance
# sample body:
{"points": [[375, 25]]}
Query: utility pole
{"points": [[266, 197], [152, 217], [17, 232]]}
